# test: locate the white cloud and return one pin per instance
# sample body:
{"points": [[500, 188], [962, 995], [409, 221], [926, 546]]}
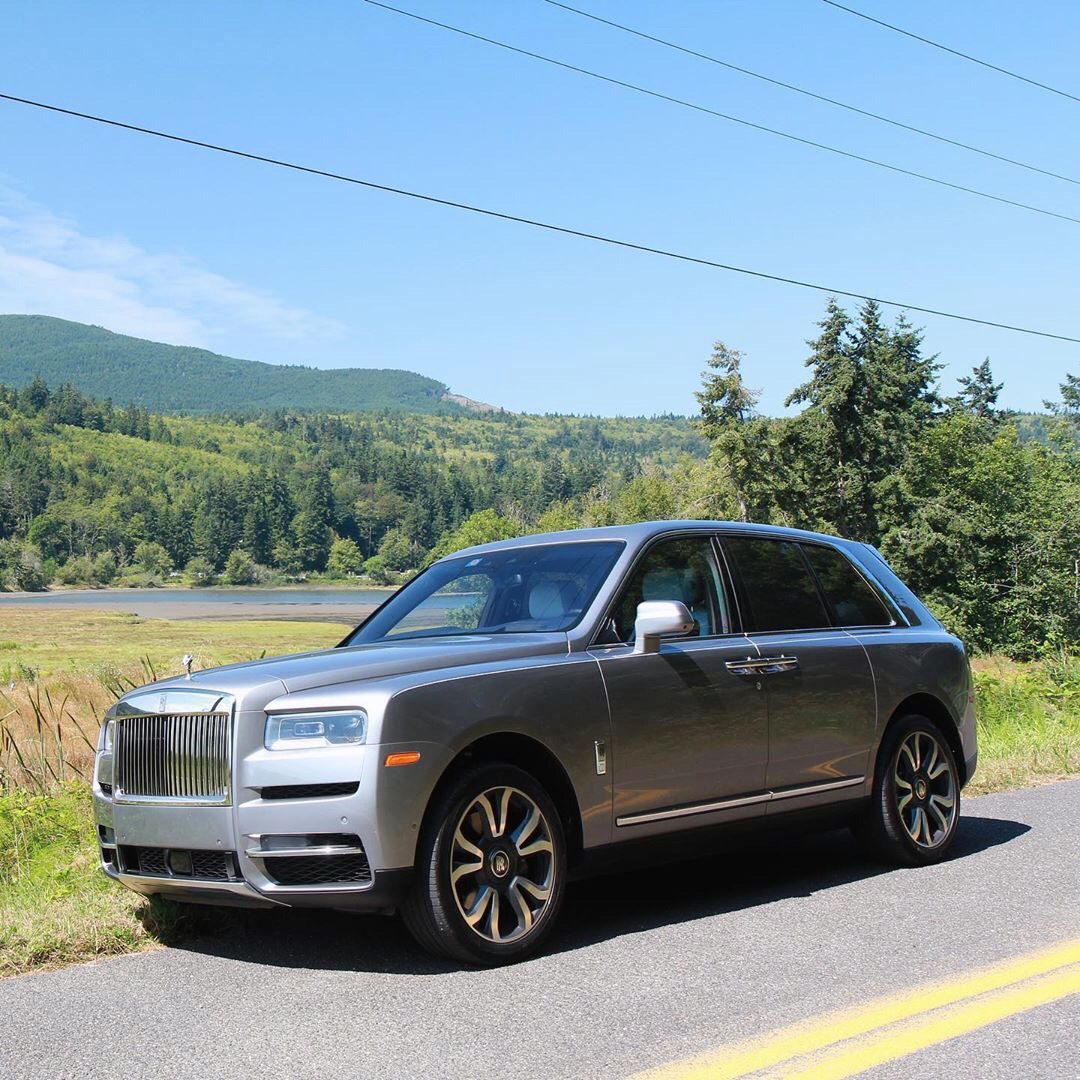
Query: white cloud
{"points": [[49, 267]]}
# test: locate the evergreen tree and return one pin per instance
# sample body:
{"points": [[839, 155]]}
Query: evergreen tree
{"points": [[738, 436], [978, 393]]}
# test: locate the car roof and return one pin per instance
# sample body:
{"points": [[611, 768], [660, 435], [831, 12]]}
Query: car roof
{"points": [[639, 533]]}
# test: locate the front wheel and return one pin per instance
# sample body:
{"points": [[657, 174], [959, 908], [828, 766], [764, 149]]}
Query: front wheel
{"points": [[915, 805], [490, 869]]}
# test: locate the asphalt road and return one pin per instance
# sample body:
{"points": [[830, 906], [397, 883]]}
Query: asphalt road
{"points": [[649, 969]]}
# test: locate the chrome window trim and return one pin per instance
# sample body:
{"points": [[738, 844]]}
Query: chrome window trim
{"points": [[731, 804]]}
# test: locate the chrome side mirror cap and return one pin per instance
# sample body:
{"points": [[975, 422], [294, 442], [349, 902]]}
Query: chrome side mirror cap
{"points": [[655, 619]]}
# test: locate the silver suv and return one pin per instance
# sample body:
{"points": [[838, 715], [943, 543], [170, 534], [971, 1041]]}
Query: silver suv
{"points": [[527, 710]]}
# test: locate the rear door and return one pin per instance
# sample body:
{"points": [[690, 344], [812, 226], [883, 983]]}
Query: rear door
{"points": [[820, 687]]}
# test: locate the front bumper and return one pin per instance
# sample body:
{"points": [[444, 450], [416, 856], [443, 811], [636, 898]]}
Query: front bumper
{"points": [[379, 818]]}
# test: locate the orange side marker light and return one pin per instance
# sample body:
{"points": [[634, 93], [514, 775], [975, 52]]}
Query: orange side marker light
{"points": [[405, 757]]}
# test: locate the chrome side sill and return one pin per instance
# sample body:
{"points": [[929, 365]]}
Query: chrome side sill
{"points": [[731, 804]]}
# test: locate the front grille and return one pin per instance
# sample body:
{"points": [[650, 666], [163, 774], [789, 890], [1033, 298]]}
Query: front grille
{"points": [[180, 863], [308, 791], [318, 869], [182, 756]]}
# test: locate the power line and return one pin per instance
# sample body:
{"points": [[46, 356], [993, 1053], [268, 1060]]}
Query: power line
{"points": [[518, 219], [721, 115], [812, 94], [955, 52]]}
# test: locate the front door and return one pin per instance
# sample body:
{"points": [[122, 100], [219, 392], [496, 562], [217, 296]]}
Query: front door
{"points": [[690, 735]]}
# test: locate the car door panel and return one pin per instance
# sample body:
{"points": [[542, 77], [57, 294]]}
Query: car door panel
{"points": [[822, 713], [687, 732]]}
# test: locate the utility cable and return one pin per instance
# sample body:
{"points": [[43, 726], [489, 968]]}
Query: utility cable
{"points": [[812, 94], [720, 115], [520, 220], [955, 52]]}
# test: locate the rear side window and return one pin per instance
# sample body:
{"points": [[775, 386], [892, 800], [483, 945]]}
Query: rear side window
{"points": [[777, 583], [853, 602]]}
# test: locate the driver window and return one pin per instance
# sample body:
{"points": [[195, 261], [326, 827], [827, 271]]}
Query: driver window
{"points": [[682, 569]]}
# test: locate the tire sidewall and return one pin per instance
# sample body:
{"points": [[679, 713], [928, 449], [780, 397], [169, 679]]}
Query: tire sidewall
{"points": [[455, 801], [895, 834]]}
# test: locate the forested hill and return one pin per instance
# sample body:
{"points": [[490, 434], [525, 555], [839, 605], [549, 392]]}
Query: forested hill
{"points": [[176, 378]]}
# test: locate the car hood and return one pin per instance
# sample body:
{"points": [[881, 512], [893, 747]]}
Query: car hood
{"points": [[256, 682]]}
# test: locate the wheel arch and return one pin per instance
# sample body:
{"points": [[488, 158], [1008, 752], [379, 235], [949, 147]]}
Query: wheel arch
{"points": [[533, 757], [933, 708]]}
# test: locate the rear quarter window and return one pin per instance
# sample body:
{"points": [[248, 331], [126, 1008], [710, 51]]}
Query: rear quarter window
{"points": [[851, 599]]}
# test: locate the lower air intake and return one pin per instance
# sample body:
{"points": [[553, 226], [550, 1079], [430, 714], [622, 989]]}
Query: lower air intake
{"points": [[318, 870]]}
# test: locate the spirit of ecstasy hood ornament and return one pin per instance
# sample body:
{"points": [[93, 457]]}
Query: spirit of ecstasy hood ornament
{"points": [[187, 661]]}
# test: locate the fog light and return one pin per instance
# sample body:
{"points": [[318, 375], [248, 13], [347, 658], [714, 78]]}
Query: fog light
{"points": [[180, 863], [106, 835]]}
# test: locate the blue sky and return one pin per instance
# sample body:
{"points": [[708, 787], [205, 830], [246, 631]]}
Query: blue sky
{"points": [[187, 246]]}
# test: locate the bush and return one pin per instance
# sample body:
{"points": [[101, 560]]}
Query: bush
{"points": [[200, 570], [24, 571], [345, 557], [105, 568], [376, 569], [153, 558], [240, 569], [78, 570]]}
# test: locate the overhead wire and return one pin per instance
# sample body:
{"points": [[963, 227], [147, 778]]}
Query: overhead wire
{"points": [[812, 94], [683, 103], [521, 220], [954, 52]]}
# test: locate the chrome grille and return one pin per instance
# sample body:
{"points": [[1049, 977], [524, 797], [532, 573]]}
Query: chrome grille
{"points": [[182, 757]]}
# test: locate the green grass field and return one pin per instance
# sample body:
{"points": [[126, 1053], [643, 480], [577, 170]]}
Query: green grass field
{"points": [[55, 905]]}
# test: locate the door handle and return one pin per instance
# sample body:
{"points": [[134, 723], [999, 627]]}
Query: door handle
{"points": [[749, 666], [774, 665], [764, 665]]}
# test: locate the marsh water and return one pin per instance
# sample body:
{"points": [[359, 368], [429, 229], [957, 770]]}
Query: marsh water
{"points": [[332, 605]]}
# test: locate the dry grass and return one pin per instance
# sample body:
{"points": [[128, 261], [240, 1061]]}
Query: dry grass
{"points": [[66, 667]]}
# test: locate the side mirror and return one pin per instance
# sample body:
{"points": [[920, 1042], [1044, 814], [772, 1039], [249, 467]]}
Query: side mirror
{"points": [[655, 618]]}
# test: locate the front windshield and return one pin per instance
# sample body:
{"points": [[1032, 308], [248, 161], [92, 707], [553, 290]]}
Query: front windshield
{"points": [[518, 590]]}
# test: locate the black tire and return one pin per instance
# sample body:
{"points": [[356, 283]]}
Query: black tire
{"points": [[890, 830], [513, 921]]}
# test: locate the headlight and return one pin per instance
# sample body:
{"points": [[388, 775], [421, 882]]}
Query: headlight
{"points": [[297, 731], [105, 737]]}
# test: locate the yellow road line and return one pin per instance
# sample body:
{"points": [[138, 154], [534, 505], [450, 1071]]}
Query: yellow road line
{"points": [[875, 1049], [824, 1031]]}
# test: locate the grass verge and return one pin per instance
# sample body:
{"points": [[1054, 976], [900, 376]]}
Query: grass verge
{"points": [[56, 906], [1028, 722]]}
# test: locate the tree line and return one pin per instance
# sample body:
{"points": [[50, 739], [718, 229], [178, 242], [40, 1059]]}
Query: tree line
{"points": [[978, 509]]}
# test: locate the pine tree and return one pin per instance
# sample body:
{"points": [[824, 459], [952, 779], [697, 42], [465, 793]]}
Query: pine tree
{"points": [[978, 393], [738, 436]]}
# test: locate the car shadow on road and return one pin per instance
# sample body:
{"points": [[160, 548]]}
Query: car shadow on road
{"points": [[732, 877]]}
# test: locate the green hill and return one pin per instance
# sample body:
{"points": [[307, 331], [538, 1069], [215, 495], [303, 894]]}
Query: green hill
{"points": [[175, 378]]}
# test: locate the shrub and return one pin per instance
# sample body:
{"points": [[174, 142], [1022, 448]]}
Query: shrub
{"points": [[200, 570], [345, 557], [105, 568], [376, 569], [240, 569], [153, 558]]}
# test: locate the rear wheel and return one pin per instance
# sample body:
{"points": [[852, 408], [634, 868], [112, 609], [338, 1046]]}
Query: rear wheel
{"points": [[915, 805], [491, 868]]}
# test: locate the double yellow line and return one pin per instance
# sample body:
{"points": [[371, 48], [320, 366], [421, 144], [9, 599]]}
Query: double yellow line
{"points": [[846, 1043]]}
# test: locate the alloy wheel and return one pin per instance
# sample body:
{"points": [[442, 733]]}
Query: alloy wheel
{"points": [[924, 783], [502, 864]]}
